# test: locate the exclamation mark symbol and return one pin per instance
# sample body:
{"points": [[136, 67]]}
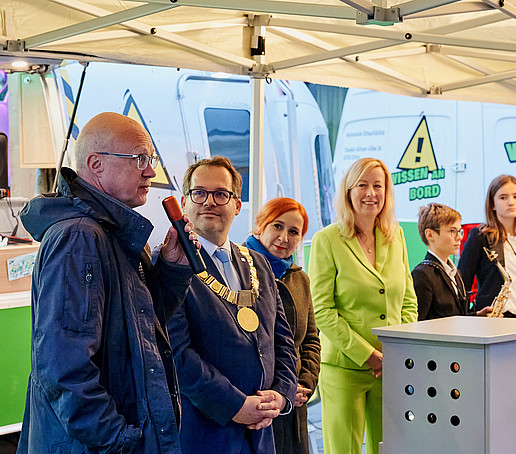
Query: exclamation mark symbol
{"points": [[419, 147]]}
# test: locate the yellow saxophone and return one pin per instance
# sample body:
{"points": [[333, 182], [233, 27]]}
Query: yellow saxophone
{"points": [[500, 300]]}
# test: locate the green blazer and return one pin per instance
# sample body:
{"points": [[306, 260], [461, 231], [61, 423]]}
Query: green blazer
{"points": [[350, 296]]}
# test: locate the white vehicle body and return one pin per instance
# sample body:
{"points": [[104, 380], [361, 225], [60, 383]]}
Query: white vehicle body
{"points": [[437, 151], [192, 115]]}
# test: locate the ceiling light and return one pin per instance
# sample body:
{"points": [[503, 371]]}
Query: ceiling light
{"points": [[19, 64]]}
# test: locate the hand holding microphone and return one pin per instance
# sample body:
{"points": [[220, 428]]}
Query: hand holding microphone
{"points": [[175, 216]]}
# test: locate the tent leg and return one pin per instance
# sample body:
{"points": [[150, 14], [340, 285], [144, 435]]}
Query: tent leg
{"points": [[256, 149]]}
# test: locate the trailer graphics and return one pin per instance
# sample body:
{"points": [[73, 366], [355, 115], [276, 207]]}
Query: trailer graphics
{"points": [[437, 151]]}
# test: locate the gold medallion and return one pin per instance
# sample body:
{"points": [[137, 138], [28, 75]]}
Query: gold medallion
{"points": [[248, 319]]}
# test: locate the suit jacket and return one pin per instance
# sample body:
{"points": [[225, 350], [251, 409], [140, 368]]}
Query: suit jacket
{"points": [[436, 296], [351, 297], [219, 364], [474, 262]]}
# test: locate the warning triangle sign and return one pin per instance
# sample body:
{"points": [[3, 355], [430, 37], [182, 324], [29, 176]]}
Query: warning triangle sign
{"points": [[162, 179], [420, 151], [510, 149]]}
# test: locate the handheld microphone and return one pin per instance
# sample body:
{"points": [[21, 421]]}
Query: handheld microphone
{"points": [[175, 215]]}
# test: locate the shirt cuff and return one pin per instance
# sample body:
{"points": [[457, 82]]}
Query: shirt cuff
{"points": [[288, 407]]}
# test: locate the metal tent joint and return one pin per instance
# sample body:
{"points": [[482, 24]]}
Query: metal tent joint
{"points": [[258, 20], [260, 71], [380, 16], [433, 48], [15, 45], [435, 90]]}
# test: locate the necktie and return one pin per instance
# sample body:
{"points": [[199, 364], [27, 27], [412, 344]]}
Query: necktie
{"points": [[229, 272]]}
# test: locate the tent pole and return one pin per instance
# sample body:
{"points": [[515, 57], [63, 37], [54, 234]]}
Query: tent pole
{"points": [[257, 50], [256, 149], [70, 127]]}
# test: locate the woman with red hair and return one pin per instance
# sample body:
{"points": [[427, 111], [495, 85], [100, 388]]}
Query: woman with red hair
{"points": [[280, 226]]}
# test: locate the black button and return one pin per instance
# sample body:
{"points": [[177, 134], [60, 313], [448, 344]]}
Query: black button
{"points": [[382, 317], [167, 353], [382, 291]]}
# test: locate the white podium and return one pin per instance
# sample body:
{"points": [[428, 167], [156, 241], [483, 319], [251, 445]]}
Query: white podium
{"points": [[449, 386]]}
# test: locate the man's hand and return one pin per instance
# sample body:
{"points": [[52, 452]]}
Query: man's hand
{"points": [[274, 402], [375, 362], [255, 409], [302, 395], [259, 411], [172, 250]]}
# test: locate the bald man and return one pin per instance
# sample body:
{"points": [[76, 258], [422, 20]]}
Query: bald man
{"points": [[103, 377]]}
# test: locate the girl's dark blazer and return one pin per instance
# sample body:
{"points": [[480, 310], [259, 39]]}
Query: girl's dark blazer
{"points": [[474, 262]]}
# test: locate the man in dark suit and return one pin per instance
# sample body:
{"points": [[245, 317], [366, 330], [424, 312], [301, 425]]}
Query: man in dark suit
{"points": [[234, 350], [439, 287]]}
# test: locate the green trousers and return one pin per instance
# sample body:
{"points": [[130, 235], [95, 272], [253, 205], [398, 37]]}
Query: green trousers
{"points": [[350, 400]]}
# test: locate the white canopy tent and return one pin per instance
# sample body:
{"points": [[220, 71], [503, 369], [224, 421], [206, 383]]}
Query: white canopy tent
{"points": [[449, 49], [437, 48]]}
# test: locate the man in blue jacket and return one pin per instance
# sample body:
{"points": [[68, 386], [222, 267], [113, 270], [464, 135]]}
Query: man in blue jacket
{"points": [[103, 377], [232, 344]]}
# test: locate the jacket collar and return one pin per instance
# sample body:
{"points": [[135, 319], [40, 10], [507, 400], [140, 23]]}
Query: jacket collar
{"points": [[460, 295], [382, 252], [130, 228]]}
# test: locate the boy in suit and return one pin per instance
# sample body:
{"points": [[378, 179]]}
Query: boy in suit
{"points": [[439, 287]]}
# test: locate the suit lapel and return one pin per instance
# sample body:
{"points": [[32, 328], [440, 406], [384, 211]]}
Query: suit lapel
{"points": [[240, 263], [381, 253], [382, 250], [461, 297], [498, 248]]}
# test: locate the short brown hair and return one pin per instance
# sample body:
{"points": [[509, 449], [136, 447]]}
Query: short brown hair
{"points": [[274, 208], [215, 161], [433, 216]]}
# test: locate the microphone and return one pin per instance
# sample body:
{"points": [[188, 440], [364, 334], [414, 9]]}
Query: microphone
{"points": [[175, 215]]}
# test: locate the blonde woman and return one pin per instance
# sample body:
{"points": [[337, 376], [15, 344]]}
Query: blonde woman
{"points": [[360, 279]]}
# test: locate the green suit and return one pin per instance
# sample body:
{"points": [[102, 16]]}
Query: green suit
{"points": [[351, 297]]}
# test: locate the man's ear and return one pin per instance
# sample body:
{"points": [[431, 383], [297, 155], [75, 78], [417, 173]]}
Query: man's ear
{"points": [[183, 203], [94, 163], [430, 235], [238, 206]]}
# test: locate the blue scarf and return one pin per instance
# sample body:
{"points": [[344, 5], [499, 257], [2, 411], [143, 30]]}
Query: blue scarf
{"points": [[279, 266]]}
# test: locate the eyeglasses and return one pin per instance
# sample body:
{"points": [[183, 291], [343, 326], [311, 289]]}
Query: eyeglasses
{"points": [[454, 232], [220, 196], [143, 159]]}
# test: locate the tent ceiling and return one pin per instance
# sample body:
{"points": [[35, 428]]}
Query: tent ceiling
{"points": [[435, 48]]}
